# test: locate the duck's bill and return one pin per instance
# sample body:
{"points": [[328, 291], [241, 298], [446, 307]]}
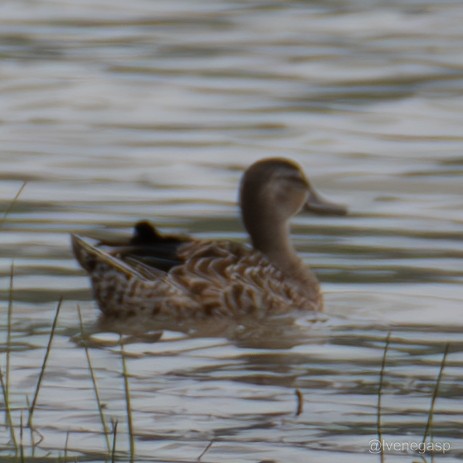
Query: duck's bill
{"points": [[318, 205]]}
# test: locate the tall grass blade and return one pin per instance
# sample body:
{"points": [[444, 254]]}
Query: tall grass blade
{"points": [[8, 333], [208, 446], [435, 393], [5, 377], [66, 446], [12, 203], [95, 386], [380, 395], [31, 431], [44, 364], [9, 420], [128, 405], [21, 439], [113, 450]]}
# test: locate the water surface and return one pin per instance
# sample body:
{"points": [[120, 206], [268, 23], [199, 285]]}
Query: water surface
{"points": [[113, 112]]}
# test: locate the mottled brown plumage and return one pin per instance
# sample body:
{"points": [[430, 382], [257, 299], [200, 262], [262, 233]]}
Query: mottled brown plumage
{"points": [[154, 275]]}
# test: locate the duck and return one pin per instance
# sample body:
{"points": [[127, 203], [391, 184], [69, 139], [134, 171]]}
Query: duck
{"points": [[155, 275]]}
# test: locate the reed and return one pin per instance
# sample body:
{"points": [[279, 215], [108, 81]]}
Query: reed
{"points": [[208, 446], [5, 376], [113, 450], [380, 394], [9, 420], [44, 364], [94, 383], [21, 439], [128, 404], [435, 394], [66, 444], [8, 332], [12, 203]]}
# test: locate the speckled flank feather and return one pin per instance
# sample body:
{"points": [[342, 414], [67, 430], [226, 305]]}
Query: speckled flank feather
{"points": [[217, 279]]}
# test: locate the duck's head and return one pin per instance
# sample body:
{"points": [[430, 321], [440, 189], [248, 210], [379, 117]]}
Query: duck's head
{"points": [[274, 190]]}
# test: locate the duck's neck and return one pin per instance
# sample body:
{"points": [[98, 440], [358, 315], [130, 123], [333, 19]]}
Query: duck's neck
{"points": [[274, 242]]}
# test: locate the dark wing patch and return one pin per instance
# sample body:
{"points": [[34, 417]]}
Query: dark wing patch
{"points": [[145, 234], [151, 249]]}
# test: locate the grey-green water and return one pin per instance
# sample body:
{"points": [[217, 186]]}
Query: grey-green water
{"points": [[116, 111]]}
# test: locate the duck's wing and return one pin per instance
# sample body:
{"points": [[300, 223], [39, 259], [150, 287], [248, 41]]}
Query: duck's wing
{"points": [[147, 252], [127, 287], [147, 249]]}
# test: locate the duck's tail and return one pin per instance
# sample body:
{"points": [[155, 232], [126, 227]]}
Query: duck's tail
{"points": [[126, 288], [89, 256]]}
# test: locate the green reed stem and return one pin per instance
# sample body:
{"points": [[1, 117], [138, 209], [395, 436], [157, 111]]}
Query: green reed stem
{"points": [[31, 431], [66, 444], [5, 377], [44, 364], [8, 333], [21, 439], [113, 450], [128, 405], [95, 386], [12, 203], [9, 420], [380, 395], [435, 392], [208, 446]]}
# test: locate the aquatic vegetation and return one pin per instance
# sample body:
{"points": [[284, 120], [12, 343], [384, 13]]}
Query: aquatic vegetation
{"points": [[26, 437], [425, 447], [12, 204], [22, 449]]}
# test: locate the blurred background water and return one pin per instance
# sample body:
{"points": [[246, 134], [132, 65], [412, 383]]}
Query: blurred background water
{"points": [[117, 111]]}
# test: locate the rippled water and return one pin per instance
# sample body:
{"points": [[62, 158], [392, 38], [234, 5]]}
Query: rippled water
{"points": [[116, 111]]}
